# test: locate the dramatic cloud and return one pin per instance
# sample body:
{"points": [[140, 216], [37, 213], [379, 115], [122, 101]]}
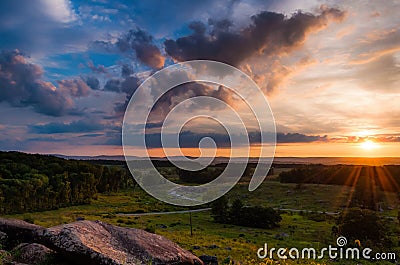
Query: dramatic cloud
{"points": [[97, 69], [379, 138], [79, 126], [255, 137], [126, 70], [113, 85], [81, 61], [138, 41], [190, 139], [187, 139], [269, 34], [142, 43], [185, 91], [299, 138], [21, 86], [92, 82], [38, 27], [75, 87], [127, 85]]}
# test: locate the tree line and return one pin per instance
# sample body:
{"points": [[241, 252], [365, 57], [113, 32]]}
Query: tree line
{"points": [[32, 182]]}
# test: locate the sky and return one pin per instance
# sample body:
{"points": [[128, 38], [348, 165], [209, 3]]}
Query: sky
{"points": [[329, 69]]}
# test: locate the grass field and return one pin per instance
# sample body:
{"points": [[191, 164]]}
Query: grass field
{"points": [[227, 242]]}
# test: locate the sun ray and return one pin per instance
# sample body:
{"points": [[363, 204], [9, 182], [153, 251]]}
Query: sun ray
{"points": [[351, 182], [386, 183]]}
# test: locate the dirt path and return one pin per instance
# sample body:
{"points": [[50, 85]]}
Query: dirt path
{"points": [[163, 213]]}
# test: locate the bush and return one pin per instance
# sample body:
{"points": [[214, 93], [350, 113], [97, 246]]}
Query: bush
{"points": [[316, 217], [29, 219], [237, 214], [200, 177], [364, 225], [150, 229], [220, 210], [259, 217]]}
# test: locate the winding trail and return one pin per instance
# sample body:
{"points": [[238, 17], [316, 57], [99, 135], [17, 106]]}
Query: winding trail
{"points": [[209, 209], [164, 213], [306, 211]]}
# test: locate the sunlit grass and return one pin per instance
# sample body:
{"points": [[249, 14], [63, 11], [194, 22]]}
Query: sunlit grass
{"points": [[227, 242]]}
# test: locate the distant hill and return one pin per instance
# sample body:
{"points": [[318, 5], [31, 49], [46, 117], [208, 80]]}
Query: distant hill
{"points": [[277, 160]]}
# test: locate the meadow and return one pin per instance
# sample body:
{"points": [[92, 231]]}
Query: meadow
{"points": [[309, 212]]}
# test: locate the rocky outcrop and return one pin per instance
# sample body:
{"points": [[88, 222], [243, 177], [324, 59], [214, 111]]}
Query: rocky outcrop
{"points": [[99, 243], [19, 231], [33, 254], [89, 242]]}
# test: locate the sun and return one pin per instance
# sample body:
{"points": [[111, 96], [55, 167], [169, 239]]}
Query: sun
{"points": [[369, 145]]}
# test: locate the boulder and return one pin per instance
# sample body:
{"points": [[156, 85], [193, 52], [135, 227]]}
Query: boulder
{"points": [[19, 231], [33, 254], [94, 242], [213, 246], [3, 238], [209, 260]]}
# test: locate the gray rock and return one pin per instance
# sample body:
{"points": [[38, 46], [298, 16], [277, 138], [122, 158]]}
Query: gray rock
{"points": [[97, 243], [3, 235], [213, 246], [281, 235], [32, 254], [3, 238], [88, 242], [209, 260], [19, 231]]}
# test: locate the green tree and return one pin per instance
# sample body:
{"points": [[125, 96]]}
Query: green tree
{"points": [[364, 225], [220, 210], [235, 211]]}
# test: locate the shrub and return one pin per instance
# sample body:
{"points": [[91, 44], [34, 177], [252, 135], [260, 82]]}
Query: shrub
{"points": [[237, 214], [150, 229], [364, 225]]}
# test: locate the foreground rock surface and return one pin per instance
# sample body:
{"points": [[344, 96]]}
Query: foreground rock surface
{"points": [[33, 254], [19, 231], [95, 242]]}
